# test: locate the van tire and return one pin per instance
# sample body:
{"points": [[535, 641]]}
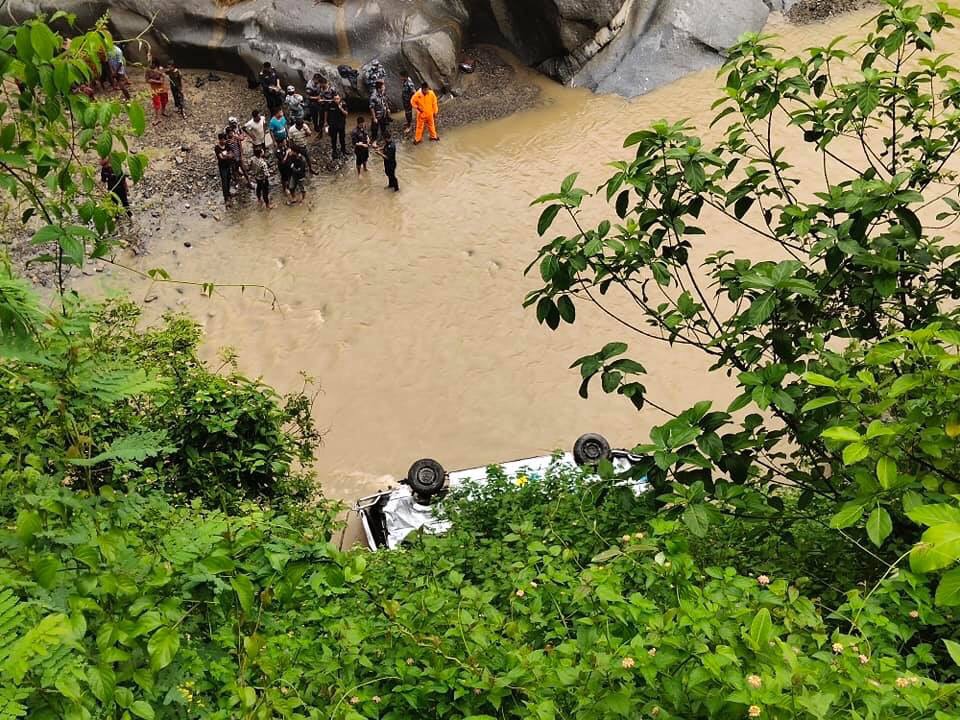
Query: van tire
{"points": [[590, 449], [427, 477]]}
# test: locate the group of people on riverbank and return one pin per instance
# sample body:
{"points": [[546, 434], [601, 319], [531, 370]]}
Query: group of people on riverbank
{"points": [[288, 134], [293, 118]]}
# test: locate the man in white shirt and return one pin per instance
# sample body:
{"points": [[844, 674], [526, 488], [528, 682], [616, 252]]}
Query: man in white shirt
{"points": [[256, 130]]}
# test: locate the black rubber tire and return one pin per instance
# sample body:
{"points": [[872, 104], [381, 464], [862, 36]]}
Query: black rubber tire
{"points": [[590, 449], [427, 477]]}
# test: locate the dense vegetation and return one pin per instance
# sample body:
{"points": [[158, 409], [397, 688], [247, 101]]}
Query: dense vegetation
{"points": [[163, 553]]}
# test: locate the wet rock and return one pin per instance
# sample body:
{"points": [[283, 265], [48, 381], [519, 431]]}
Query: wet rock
{"points": [[188, 244]]}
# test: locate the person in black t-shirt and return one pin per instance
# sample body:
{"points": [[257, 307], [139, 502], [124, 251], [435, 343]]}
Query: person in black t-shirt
{"points": [[388, 151], [272, 90], [116, 184], [337, 124], [225, 163], [361, 144], [296, 167]]}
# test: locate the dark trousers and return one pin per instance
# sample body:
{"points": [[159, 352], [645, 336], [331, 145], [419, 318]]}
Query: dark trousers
{"points": [[338, 134], [380, 126], [316, 117], [408, 114], [226, 172], [119, 191], [390, 169], [263, 191]]}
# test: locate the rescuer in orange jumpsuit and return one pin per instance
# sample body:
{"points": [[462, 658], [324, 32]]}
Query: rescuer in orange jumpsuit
{"points": [[424, 101]]}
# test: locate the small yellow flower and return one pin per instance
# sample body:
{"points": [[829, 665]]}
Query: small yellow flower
{"points": [[639, 536], [376, 699], [477, 691], [354, 700], [628, 662], [654, 711], [763, 580], [837, 648], [533, 584], [626, 538], [754, 711], [652, 652], [914, 614], [864, 659], [902, 682], [409, 661], [754, 681], [520, 593], [521, 480]]}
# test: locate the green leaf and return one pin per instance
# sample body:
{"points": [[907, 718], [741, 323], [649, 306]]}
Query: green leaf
{"points": [[244, 589], [939, 547], [105, 144], [879, 526], [854, 453], [760, 630], [162, 646], [820, 380], [547, 217], [45, 570], [841, 433], [953, 648], [886, 472], [613, 348], [935, 514], [761, 308], [567, 311], [910, 221], [904, 384], [138, 118], [567, 184], [142, 709], [846, 516], [818, 403], [28, 525], [948, 591], [43, 40]]}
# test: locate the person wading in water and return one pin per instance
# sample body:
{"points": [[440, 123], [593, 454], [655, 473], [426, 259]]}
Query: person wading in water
{"points": [[361, 144], [388, 151]]}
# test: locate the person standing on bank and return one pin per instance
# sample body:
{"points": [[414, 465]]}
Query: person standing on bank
{"points": [[270, 84], [427, 107], [379, 110], [297, 135], [225, 163], [407, 91], [256, 130], [156, 80], [361, 144], [337, 124], [176, 87], [315, 103], [388, 151], [258, 166]]}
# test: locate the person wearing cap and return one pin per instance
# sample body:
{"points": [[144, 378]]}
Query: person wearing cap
{"points": [[293, 105], [379, 110]]}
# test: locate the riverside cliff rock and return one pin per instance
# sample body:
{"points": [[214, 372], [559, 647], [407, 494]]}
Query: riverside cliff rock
{"points": [[620, 46]]}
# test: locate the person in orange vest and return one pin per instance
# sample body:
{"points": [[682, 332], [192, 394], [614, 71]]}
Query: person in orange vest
{"points": [[424, 101]]}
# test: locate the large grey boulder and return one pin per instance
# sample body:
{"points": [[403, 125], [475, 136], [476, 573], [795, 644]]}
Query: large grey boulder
{"points": [[649, 43], [619, 46], [299, 37]]}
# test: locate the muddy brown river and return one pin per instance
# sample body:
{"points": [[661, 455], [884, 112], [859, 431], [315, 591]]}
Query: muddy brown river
{"points": [[407, 310]]}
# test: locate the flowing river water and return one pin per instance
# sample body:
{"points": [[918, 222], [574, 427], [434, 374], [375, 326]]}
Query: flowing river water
{"points": [[407, 310]]}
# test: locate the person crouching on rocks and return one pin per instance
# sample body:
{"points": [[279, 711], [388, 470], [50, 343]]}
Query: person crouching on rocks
{"points": [[258, 166]]}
